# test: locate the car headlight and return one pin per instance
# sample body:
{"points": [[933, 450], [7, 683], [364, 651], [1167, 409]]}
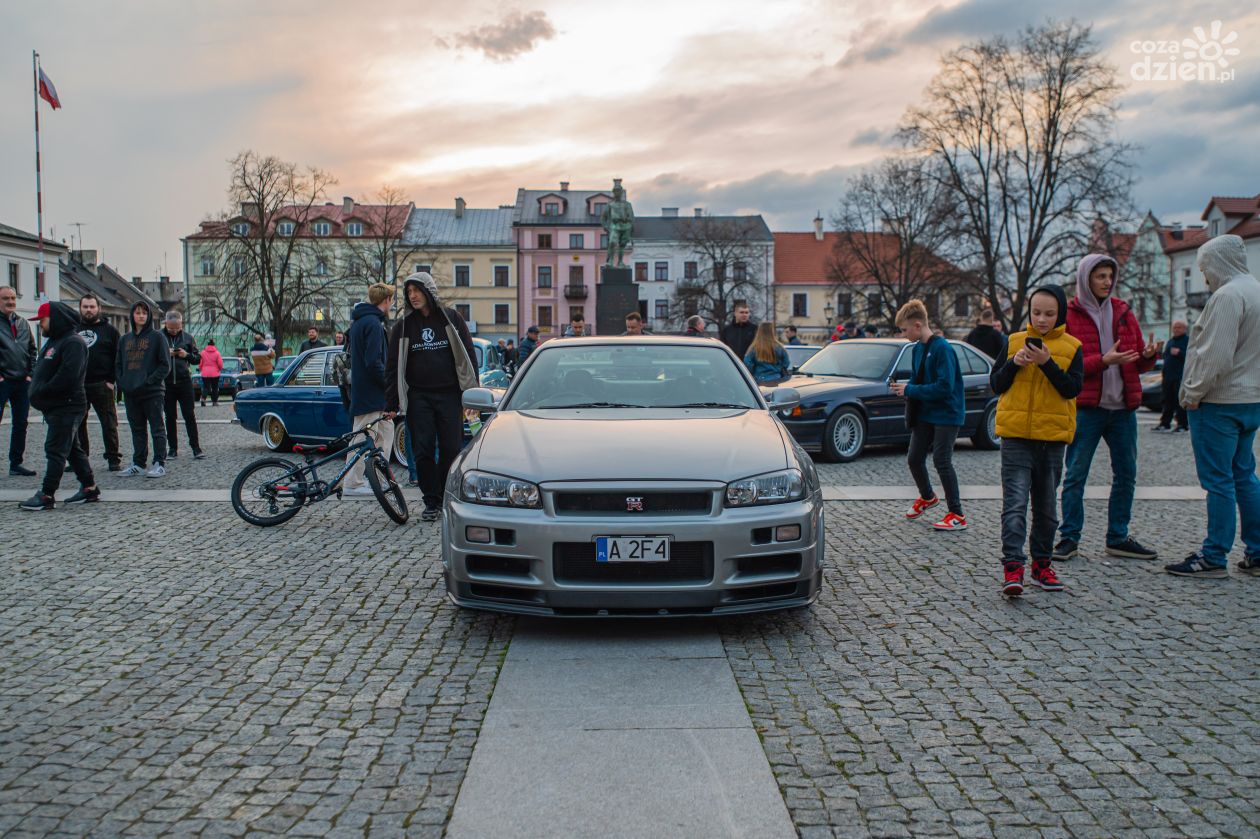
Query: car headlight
{"points": [[774, 488], [484, 488]]}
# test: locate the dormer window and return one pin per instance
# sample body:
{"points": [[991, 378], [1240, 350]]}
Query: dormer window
{"points": [[354, 228], [285, 228], [597, 209], [1216, 227], [240, 228], [551, 208], [322, 228]]}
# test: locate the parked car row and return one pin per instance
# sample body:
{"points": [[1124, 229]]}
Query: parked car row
{"points": [[236, 377]]}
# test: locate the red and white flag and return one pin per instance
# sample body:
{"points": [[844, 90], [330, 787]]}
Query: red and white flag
{"points": [[47, 91]]}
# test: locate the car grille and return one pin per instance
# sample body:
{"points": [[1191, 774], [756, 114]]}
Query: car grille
{"points": [[654, 503], [689, 562]]}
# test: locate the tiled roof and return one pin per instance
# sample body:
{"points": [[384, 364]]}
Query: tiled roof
{"points": [[1233, 206], [1188, 238], [372, 216], [528, 210], [477, 228], [674, 229], [803, 259]]}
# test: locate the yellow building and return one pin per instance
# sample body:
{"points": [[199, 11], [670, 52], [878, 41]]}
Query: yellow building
{"points": [[472, 255]]}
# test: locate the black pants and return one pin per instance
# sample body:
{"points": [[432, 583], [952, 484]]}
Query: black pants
{"points": [[144, 415], [15, 392], [1172, 405], [181, 395], [62, 444], [1031, 469], [210, 387], [434, 417], [940, 440], [100, 398]]}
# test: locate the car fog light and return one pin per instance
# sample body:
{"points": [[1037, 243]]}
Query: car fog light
{"points": [[786, 533], [477, 534]]}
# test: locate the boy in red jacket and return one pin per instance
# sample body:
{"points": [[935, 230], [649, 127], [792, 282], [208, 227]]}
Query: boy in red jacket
{"points": [[1115, 356]]}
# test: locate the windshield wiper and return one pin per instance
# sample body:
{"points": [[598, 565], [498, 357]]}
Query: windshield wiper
{"points": [[706, 405], [594, 405]]}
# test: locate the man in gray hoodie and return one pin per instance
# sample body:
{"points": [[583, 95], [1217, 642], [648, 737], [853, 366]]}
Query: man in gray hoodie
{"points": [[1221, 390]]}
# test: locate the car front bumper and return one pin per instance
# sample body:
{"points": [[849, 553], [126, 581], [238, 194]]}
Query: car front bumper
{"points": [[808, 433], [723, 562]]}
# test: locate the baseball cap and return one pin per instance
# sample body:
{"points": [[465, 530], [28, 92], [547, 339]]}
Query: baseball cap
{"points": [[531, 329], [45, 310]]}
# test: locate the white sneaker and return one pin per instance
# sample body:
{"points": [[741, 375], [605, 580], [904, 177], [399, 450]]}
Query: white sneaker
{"points": [[364, 489], [131, 471], [155, 471]]}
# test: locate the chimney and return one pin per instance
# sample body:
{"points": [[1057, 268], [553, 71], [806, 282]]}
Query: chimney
{"points": [[669, 212], [249, 209], [699, 212], [138, 282], [818, 227], [564, 186], [347, 205], [1176, 225], [164, 280], [459, 207], [85, 258]]}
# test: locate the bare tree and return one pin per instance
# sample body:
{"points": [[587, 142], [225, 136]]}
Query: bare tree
{"points": [[1025, 136], [894, 221], [269, 274], [729, 254]]}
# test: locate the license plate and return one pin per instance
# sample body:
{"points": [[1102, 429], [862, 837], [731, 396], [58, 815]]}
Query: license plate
{"points": [[632, 549]]}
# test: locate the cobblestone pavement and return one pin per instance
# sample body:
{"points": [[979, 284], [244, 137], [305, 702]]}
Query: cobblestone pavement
{"points": [[170, 670], [913, 700]]}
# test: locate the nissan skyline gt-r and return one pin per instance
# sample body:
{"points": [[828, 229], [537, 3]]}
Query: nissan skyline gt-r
{"points": [[632, 476]]}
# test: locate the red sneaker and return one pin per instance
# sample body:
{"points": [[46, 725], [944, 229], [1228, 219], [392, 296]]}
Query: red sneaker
{"points": [[1043, 576], [952, 521], [921, 506], [1013, 585]]}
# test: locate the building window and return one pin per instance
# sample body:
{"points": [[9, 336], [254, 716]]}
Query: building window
{"points": [[873, 305], [1159, 307], [239, 308], [575, 311], [544, 318], [207, 266], [463, 276], [800, 305], [544, 241], [464, 311], [962, 306], [15, 277], [551, 208], [285, 228], [598, 208], [691, 270], [1216, 227], [500, 276], [241, 228], [603, 241], [501, 313], [844, 306], [321, 268], [662, 272], [544, 276], [354, 228], [238, 266], [741, 272], [640, 272], [421, 268], [662, 310], [322, 228], [719, 271], [577, 241], [577, 275], [933, 303]]}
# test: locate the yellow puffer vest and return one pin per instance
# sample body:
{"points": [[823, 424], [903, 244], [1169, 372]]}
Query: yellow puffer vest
{"points": [[1032, 409]]}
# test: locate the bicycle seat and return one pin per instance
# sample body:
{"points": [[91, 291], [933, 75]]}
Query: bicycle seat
{"points": [[309, 449]]}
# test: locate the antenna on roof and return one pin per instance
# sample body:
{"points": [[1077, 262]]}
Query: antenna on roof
{"points": [[78, 226]]}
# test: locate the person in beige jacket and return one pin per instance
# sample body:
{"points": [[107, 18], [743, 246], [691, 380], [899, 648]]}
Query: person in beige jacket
{"points": [[1221, 390]]}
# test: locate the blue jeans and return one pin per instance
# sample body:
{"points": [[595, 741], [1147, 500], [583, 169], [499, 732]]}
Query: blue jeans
{"points": [[264, 379], [1119, 430], [14, 392], [1223, 436]]}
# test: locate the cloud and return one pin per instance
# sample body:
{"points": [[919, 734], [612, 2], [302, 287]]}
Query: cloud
{"points": [[515, 35]]}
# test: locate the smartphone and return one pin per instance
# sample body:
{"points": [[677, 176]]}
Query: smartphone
{"points": [[1034, 342]]}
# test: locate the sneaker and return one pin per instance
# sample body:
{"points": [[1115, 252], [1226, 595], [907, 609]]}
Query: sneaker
{"points": [[362, 489], [38, 502], [20, 471], [952, 521], [115, 467], [199, 455], [157, 470], [1131, 548], [430, 513], [1196, 566], [412, 483], [1162, 429], [172, 455], [131, 471], [1181, 429], [85, 496], [1249, 565], [1065, 550], [920, 507], [1043, 576], [1013, 579]]}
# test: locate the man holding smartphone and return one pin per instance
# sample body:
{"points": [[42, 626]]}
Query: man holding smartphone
{"points": [[179, 389]]}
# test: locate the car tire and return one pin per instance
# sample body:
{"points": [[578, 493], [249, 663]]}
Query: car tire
{"points": [[399, 453], [844, 437], [275, 437], [986, 432]]}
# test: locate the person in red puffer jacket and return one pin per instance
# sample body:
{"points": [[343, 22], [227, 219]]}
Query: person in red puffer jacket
{"points": [[1115, 356]]}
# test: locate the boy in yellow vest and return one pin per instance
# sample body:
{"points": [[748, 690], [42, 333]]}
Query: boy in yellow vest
{"points": [[1037, 377]]}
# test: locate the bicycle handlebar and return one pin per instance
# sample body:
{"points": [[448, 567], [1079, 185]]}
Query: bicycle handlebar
{"points": [[365, 430]]}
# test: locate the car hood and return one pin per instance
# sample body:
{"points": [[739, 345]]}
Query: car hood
{"points": [[810, 386], [610, 444]]}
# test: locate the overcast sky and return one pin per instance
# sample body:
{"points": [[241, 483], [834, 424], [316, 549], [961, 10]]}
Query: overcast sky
{"points": [[732, 105]]}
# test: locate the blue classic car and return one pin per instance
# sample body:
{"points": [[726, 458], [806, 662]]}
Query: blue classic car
{"points": [[236, 377], [304, 405]]}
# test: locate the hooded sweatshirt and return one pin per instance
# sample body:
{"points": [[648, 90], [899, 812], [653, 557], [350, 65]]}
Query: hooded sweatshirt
{"points": [[1223, 362], [211, 364], [57, 381], [365, 341], [144, 359], [1099, 327], [421, 354], [102, 343], [1101, 313]]}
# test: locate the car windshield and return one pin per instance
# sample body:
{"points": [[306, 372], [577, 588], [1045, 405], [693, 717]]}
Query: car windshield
{"points": [[231, 365], [852, 359], [631, 376]]}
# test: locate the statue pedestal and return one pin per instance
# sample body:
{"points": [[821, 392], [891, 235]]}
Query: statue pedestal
{"points": [[618, 295]]}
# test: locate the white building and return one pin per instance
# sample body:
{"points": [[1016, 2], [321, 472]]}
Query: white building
{"points": [[19, 259]]}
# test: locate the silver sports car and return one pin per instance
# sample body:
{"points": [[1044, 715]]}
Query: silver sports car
{"points": [[633, 476]]}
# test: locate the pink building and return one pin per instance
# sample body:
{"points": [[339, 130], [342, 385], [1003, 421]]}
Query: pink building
{"points": [[561, 247]]}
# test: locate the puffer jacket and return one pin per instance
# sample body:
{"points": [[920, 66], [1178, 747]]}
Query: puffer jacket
{"points": [[1128, 332]]}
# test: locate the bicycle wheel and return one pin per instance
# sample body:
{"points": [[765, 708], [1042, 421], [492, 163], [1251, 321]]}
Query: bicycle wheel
{"points": [[260, 494], [386, 489]]}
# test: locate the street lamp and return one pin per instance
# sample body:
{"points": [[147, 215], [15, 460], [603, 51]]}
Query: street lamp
{"points": [[319, 315], [829, 311]]}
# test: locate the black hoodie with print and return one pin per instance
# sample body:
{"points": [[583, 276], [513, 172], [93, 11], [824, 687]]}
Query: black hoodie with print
{"points": [[144, 359], [429, 362], [57, 380], [102, 344]]}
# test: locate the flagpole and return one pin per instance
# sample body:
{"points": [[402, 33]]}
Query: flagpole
{"points": [[39, 189]]}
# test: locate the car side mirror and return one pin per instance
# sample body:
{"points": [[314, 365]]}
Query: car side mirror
{"points": [[480, 399], [784, 398]]}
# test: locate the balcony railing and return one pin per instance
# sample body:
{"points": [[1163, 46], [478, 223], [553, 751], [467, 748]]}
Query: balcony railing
{"points": [[575, 292]]}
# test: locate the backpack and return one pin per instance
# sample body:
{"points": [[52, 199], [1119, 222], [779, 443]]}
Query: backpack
{"points": [[341, 372]]}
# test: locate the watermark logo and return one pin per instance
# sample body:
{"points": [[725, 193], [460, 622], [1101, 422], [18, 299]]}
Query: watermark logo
{"points": [[1203, 58]]}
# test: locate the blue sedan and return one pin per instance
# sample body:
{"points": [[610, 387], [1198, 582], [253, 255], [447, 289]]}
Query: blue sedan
{"points": [[304, 405]]}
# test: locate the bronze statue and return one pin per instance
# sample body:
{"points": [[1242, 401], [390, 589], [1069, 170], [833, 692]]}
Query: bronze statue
{"points": [[618, 221]]}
